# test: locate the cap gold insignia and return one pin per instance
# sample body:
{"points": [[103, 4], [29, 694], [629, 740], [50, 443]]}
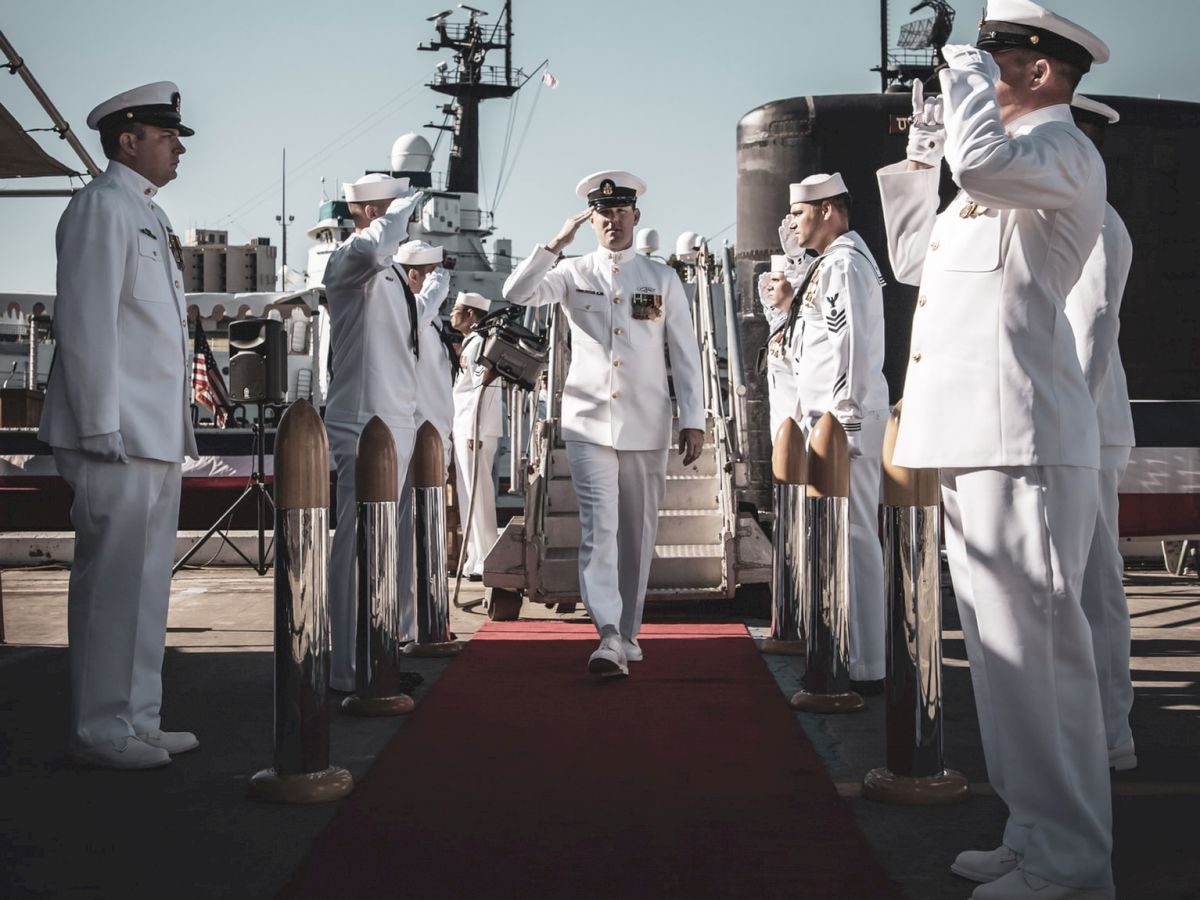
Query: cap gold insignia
{"points": [[607, 189], [129, 115], [175, 100], [1033, 39]]}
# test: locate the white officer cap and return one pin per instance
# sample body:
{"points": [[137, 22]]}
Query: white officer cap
{"points": [[418, 253], [151, 104], [1022, 23], [1103, 113], [779, 263], [375, 186], [610, 188], [817, 187], [473, 300], [647, 240]]}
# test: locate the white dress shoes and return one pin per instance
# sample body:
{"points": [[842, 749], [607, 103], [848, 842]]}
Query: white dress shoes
{"points": [[124, 753], [608, 660], [986, 865], [171, 741], [633, 650], [1021, 885]]}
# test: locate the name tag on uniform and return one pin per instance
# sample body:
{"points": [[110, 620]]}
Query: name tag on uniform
{"points": [[647, 305], [589, 291], [176, 249]]}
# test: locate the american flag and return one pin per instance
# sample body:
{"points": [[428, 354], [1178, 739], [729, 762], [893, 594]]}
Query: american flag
{"points": [[208, 387]]}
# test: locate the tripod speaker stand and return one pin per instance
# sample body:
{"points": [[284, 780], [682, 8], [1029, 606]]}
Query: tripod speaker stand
{"points": [[257, 489]]}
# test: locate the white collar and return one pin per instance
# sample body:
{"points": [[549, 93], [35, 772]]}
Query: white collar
{"points": [[607, 257], [131, 179], [1059, 112]]}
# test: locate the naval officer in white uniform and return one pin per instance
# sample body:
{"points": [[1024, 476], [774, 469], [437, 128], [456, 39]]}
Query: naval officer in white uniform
{"points": [[995, 398], [475, 439], [622, 308], [117, 413], [374, 340], [430, 284], [776, 292], [836, 346], [1093, 309]]}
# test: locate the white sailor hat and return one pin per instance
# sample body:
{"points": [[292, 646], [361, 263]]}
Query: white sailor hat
{"points": [[1089, 110], [375, 186], [418, 253], [817, 187], [150, 104], [779, 263], [473, 300], [610, 188], [1022, 23]]}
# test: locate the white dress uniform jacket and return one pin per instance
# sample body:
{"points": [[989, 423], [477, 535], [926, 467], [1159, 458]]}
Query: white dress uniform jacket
{"points": [[121, 365], [995, 397], [372, 318], [435, 402], [992, 375], [616, 389], [782, 389], [120, 324], [837, 344], [1093, 308], [469, 394]]}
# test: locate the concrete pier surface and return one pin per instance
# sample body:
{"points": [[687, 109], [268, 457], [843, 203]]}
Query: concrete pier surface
{"points": [[187, 830]]}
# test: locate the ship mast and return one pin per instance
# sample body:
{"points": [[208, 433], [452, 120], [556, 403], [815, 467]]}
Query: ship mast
{"points": [[470, 83], [919, 48]]}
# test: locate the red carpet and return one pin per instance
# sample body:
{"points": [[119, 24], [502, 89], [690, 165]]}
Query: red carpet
{"points": [[520, 775]]}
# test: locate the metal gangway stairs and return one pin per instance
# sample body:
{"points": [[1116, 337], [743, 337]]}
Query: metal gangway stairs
{"points": [[704, 549]]}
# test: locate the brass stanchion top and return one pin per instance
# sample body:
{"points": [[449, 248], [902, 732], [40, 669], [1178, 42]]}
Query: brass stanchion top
{"points": [[903, 486], [828, 459], [376, 470], [428, 469], [789, 459], [301, 459]]}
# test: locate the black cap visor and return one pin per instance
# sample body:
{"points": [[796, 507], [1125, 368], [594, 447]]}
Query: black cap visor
{"points": [[995, 36], [161, 115]]}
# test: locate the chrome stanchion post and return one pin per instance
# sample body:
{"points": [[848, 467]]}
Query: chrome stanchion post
{"points": [[429, 537], [915, 774], [789, 466], [379, 630], [302, 772], [826, 618]]}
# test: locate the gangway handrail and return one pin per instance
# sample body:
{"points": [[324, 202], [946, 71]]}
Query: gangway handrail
{"points": [[735, 370]]}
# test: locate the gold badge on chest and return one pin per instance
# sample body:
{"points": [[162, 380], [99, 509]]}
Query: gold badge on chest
{"points": [[972, 210], [647, 305]]}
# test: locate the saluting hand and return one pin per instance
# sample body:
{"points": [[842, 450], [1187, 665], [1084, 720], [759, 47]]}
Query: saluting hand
{"points": [[691, 442], [926, 131], [567, 233]]}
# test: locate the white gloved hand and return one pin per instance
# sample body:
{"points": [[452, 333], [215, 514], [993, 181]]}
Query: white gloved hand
{"points": [[966, 58], [854, 442], [926, 133], [764, 282], [405, 205], [791, 248], [105, 447], [437, 283]]}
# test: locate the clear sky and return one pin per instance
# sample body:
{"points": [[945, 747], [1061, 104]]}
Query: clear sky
{"points": [[654, 86]]}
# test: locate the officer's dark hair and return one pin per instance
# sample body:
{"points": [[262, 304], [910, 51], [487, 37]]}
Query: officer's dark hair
{"points": [[110, 136], [840, 202]]}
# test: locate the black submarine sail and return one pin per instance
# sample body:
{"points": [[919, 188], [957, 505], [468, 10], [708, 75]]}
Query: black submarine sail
{"points": [[1152, 182]]}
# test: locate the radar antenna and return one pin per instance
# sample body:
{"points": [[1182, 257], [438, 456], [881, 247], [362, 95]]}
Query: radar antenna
{"points": [[918, 50]]}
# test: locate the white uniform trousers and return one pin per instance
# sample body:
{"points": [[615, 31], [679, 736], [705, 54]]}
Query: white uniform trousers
{"points": [[1017, 540], [125, 518], [619, 492], [480, 532], [1106, 608], [867, 616], [343, 590]]}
